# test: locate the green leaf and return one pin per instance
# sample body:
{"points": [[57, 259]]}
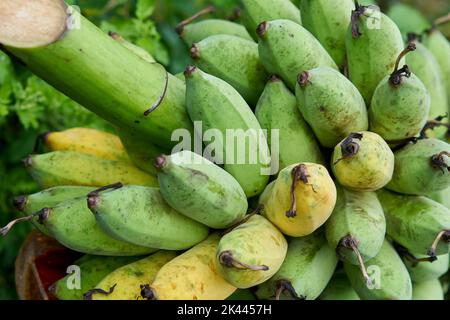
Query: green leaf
{"points": [[144, 9]]}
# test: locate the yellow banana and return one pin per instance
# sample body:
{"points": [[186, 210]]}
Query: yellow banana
{"points": [[128, 279], [191, 276], [85, 140]]}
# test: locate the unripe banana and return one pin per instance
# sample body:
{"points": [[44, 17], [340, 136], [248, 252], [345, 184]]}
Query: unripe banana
{"points": [[198, 31], [428, 290], [200, 190], [300, 200], [141, 151], [234, 60], [90, 141], [309, 265], [363, 162], [443, 197], [62, 168], [417, 223], [256, 11], [328, 22], [125, 282], [277, 110], [390, 113], [287, 49], [72, 224], [357, 227], [339, 288], [373, 44], [192, 275], [392, 279], [141, 52], [47, 199], [331, 105], [251, 253], [423, 63], [220, 107], [140, 215], [438, 44], [422, 270], [92, 270], [421, 168]]}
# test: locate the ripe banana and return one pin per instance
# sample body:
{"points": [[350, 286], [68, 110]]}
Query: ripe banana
{"points": [[220, 107], [127, 280], [339, 288], [309, 265], [328, 22], [417, 223], [192, 275], [373, 43], [277, 110], [357, 227], [90, 141], [200, 190], [251, 253], [421, 168], [198, 31], [428, 290], [61, 168], [331, 105], [300, 200], [363, 162], [390, 113], [256, 11], [93, 269], [287, 49], [391, 278], [140, 215]]}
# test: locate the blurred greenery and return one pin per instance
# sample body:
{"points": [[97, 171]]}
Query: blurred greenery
{"points": [[29, 107]]}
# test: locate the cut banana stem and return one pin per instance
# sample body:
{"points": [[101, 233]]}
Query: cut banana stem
{"points": [[226, 258], [351, 243], [444, 235], [286, 286]]}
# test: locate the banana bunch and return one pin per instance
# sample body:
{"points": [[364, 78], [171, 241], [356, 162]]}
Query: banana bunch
{"points": [[349, 194]]}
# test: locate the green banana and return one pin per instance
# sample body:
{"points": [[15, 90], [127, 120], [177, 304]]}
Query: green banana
{"points": [[390, 113], [357, 227], [309, 265], [339, 288], [256, 11], [392, 281], [234, 60], [438, 44], [242, 294], [419, 224], [373, 43], [428, 290], [328, 22], [422, 270], [421, 168], [277, 110], [220, 107], [47, 198], [141, 151], [72, 224], [140, 215], [198, 31], [363, 162], [125, 283], [141, 52], [287, 49], [331, 105], [93, 269], [61, 168], [426, 67], [408, 18], [443, 197], [251, 253], [200, 190]]}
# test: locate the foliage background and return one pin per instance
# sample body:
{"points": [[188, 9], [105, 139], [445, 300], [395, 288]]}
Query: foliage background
{"points": [[29, 107]]}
